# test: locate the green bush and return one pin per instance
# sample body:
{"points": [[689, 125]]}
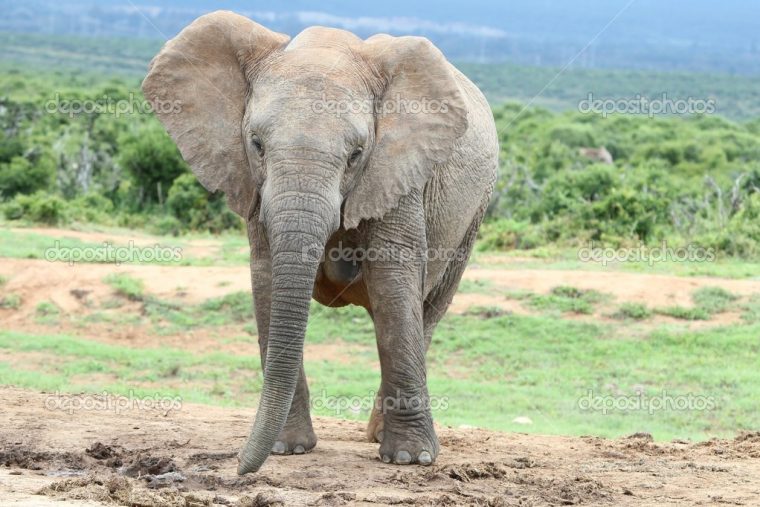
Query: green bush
{"points": [[197, 209], [21, 176], [153, 161], [39, 207], [90, 207], [508, 234]]}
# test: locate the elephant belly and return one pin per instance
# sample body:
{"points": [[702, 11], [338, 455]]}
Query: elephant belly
{"points": [[339, 279]]}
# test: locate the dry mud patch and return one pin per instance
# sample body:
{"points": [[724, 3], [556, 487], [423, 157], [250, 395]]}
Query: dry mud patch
{"points": [[188, 457]]}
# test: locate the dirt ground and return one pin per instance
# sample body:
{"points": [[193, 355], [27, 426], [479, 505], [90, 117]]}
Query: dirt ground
{"points": [[70, 287], [187, 457]]}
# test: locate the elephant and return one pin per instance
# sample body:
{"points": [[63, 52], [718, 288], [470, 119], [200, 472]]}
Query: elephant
{"points": [[327, 142]]}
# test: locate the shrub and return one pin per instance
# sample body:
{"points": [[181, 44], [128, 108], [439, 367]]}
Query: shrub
{"points": [[197, 209], [634, 311], [39, 207], [508, 234], [20, 176], [153, 161]]}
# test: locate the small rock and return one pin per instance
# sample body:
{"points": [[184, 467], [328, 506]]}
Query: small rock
{"points": [[522, 420]]}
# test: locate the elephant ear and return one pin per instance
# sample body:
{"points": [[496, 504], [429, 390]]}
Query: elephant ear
{"points": [[198, 85], [418, 119]]}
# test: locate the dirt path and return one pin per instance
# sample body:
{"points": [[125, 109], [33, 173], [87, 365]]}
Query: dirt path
{"points": [[63, 284], [187, 457]]}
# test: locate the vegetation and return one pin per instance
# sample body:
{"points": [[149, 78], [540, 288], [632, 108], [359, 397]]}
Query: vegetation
{"points": [[127, 286], [567, 299], [691, 185], [633, 311], [10, 301], [708, 301], [483, 371], [686, 181]]}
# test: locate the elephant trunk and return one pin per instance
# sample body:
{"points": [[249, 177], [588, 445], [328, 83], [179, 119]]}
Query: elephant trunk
{"points": [[299, 220]]}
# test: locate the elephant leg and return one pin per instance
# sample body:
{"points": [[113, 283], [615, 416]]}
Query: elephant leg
{"points": [[440, 297], [297, 437], [395, 284], [434, 308], [375, 425]]}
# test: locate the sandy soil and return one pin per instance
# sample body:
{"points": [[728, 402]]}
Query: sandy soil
{"points": [[74, 287], [187, 457]]}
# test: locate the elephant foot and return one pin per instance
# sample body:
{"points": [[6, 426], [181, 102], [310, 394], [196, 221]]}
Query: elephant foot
{"points": [[406, 445], [294, 441]]}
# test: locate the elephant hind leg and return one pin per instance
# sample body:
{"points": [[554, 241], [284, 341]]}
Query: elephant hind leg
{"points": [[375, 424], [439, 299]]}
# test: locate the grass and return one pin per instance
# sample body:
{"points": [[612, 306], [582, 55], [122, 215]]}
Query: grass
{"points": [[713, 299], [20, 244], [751, 309], [47, 312], [684, 313], [708, 301], [126, 286], [565, 258], [483, 371], [476, 287], [567, 300], [633, 311], [232, 250], [168, 317], [10, 301], [485, 367]]}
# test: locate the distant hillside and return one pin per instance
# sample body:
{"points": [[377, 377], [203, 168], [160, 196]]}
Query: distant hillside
{"points": [[684, 35], [735, 97]]}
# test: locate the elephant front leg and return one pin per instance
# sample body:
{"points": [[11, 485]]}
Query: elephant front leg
{"points": [[297, 437], [395, 284]]}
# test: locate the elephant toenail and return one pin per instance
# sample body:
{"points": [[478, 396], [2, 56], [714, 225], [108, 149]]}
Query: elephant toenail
{"points": [[403, 458], [424, 458], [386, 458], [380, 436], [278, 447], [299, 450]]}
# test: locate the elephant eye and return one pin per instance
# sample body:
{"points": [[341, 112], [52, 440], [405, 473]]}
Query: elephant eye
{"points": [[355, 155], [256, 142]]}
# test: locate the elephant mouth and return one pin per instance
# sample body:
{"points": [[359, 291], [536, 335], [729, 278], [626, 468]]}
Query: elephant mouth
{"points": [[342, 260]]}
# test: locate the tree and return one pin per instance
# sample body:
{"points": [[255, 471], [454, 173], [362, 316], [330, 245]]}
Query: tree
{"points": [[153, 161]]}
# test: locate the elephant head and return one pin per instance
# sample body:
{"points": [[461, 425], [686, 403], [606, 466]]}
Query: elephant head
{"points": [[282, 127]]}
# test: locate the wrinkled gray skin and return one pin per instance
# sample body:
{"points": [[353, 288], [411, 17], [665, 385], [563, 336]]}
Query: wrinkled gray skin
{"points": [[249, 110]]}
